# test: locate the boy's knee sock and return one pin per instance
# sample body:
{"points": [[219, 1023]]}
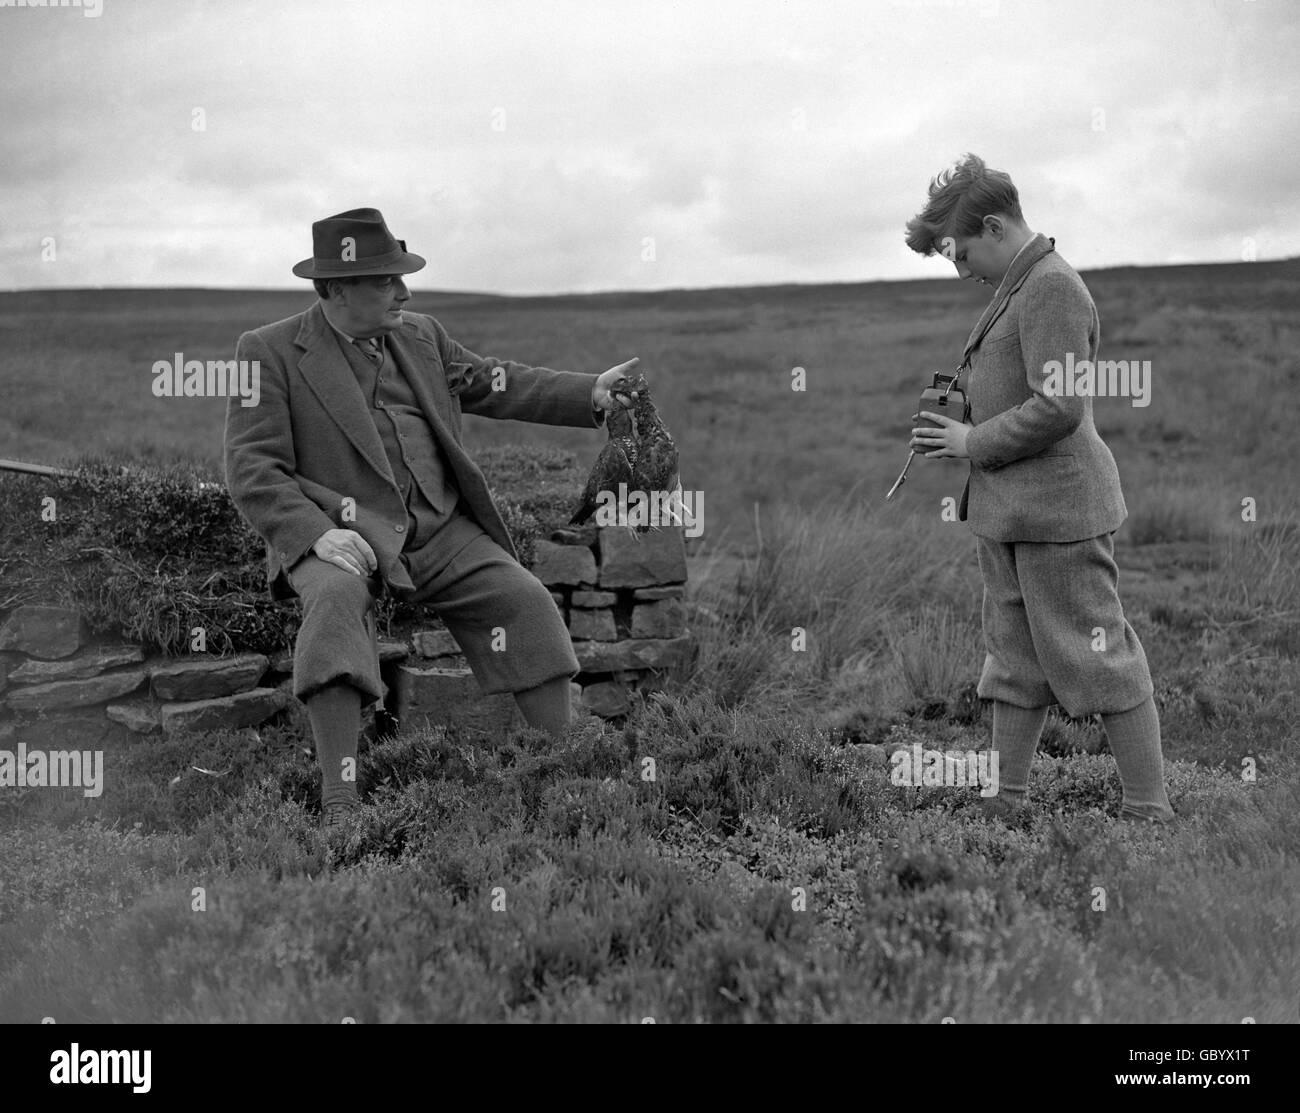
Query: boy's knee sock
{"points": [[547, 707], [1016, 731], [1134, 738], [335, 714]]}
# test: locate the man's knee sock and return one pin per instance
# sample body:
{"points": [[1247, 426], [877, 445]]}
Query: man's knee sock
{"points": [[1016, 731], [547, 706], [1134, 738], [335, 714]]}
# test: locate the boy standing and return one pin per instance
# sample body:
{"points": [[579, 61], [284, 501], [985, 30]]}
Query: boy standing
{"points": [[1043, 497]]}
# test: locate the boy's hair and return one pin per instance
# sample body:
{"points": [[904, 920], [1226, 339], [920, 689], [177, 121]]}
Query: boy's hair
{"points": [[960, 199]]}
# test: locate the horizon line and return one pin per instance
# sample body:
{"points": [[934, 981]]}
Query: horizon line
{"points": [[621, 290]]}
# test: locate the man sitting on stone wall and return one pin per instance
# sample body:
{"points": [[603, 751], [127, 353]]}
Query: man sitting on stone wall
{"points": [[351, 468]]}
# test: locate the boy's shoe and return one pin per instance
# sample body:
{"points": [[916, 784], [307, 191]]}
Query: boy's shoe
{"points": [[334, 815], [1147, 820], [1003, 808]]}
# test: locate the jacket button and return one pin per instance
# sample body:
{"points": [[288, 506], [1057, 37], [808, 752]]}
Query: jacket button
{"points": [[400, 529]]}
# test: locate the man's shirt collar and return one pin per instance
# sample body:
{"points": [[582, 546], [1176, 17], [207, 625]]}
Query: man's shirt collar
{"points": [[349, 339]]}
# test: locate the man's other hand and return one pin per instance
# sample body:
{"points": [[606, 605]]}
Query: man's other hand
{"points": [[347, 549], [601, 398]]}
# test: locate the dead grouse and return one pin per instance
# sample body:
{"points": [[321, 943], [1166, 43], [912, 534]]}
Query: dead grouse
{"points": [[640, 453]]}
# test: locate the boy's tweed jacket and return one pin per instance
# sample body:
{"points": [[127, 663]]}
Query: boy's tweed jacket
{"points": [[1039, 471], [311, 441]]}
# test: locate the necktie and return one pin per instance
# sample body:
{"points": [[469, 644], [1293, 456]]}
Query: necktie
{"points": [[371, 348]]}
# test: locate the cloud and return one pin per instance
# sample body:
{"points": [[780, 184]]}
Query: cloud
{"points": [[576, 146]]}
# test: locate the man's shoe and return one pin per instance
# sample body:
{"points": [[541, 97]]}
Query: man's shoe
{"points": [[334, 815]]}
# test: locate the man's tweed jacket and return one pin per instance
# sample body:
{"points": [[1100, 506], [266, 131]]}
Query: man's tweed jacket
{"points": [[1039, 471], [311, 441]]}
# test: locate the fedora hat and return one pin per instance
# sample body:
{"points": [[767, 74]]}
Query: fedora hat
{"points": [[356, 242]]}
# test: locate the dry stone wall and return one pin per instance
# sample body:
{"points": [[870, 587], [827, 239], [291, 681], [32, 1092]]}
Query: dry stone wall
{"points": [[621, 595], [60, 686]]}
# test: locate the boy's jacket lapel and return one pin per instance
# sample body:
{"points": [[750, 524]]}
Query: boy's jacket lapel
{"points": [[1015, 277], [1039, 246]]}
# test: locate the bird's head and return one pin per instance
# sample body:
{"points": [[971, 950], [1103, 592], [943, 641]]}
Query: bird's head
{"points": [[633, 392]]}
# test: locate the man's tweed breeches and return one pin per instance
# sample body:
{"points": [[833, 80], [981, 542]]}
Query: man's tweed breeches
{"points": [[503, 618]]}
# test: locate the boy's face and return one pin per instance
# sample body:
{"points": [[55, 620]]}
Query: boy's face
{"points": [[974, 257], [984, 257]]}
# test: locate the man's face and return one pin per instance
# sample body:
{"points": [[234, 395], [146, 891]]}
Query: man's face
{"points": [[370, 306]]}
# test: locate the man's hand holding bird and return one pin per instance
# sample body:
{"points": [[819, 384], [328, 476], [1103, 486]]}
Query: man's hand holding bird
{"points": [[605, 395]]}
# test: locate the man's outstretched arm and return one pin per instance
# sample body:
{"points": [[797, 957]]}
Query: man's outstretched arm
{"points": [[505, 389]]}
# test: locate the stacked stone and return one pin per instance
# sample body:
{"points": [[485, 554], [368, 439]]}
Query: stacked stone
{"points": [[621, 596], [435, 686], [58, 686]]}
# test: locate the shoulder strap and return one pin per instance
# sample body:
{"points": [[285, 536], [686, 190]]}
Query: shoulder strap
{"points": [[1005, 299]]}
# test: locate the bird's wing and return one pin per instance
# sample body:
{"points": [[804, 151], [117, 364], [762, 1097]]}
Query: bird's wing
{"points": [[656, 464], [612, 467]]}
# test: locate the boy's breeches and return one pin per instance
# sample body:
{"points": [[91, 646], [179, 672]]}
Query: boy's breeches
{"points": [[503, 618], [1054, 630]]}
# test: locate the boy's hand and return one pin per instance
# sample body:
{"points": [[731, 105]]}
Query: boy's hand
{"points": [[949, 441]]}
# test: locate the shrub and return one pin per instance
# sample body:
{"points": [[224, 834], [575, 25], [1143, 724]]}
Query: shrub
{"points": [[936, 654], [149, 552]]}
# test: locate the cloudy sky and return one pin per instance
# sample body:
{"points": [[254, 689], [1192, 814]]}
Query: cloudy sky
{"points": [[526, 146]]}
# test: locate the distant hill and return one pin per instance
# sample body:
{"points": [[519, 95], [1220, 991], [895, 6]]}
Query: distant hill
{"points": [[100, 297], [76, 373]]}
